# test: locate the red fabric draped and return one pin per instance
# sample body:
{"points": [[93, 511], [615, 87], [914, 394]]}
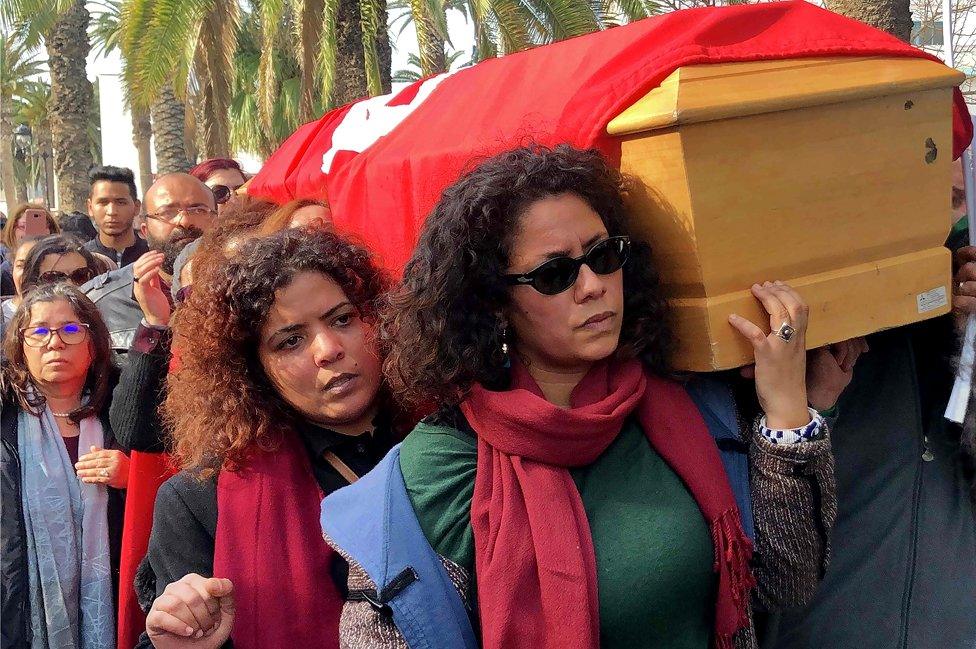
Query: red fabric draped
{"points": [[269, 543], [534, 557], [147, 472], [388, 170]]}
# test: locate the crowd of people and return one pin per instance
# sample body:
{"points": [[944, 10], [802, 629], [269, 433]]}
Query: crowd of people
{"points": [[225, 424]]}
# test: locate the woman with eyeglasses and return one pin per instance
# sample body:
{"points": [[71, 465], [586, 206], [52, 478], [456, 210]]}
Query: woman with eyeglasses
{"points": [[58, 259], [61, 477], [572, 491], [278, 400]]}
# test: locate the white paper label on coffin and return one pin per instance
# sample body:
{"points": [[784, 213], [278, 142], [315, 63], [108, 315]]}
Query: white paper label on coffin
{"points": [[932, 300], [371, 119]]}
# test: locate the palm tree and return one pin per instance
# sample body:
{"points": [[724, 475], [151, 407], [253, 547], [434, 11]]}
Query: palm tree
{"points": [[179, 53], [18, 66], [106, 37], [892, 16], [506, 26], [261, 133], [414, 71], [33, 110], [62, 25]]}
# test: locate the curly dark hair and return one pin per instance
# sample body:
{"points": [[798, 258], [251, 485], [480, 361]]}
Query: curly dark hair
{"points": [[442, 330], [220, 404], [17, 381]]}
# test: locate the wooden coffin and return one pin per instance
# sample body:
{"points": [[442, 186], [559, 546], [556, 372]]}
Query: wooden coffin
{"points": [[830, 174]]}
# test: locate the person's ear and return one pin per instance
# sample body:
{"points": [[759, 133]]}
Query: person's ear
{"points": [[143, 230], [90, 214], [138, 206]]}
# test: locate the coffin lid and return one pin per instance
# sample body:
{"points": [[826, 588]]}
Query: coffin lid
{"points": [[700, 93]]}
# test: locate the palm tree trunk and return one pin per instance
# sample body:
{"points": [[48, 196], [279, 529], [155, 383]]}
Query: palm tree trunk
{"points": [[71, 101], [384, 48], [7, 152], [892, 16], [168, 116], [432, 59], [142, 140], [350, 66]]}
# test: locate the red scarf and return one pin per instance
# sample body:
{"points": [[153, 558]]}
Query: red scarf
{"points": [[269, 544], [537, 583]]}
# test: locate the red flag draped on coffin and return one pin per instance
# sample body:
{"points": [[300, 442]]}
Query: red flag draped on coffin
{"points": [[382, 163]]}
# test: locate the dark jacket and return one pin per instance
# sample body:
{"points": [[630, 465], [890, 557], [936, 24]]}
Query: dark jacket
{"points": [[134, 412], [15, 630], [121, 259], [112, 294], [903, 574], [185, 516]]}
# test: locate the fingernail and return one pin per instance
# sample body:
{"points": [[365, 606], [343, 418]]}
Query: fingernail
{"points": [[198, 634], [189, 631]]}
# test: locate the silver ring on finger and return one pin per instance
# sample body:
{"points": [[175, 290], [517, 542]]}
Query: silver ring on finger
{"points": [[786, 331], [103, 473]]}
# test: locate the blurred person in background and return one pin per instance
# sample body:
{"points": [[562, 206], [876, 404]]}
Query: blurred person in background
{"points": [[18, 258], [113, 205], [13, 231], [179, 209], [223, 176], [299, 213], [78, 225], [58, 258]]}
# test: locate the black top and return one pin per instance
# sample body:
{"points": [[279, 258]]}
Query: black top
{"points": [[124, 258], [14, 579], [185, 515]]}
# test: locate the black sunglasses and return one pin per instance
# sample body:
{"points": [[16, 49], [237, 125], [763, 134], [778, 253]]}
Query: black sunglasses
{"points": [[556, 275], [77, 277], [223, 193]]}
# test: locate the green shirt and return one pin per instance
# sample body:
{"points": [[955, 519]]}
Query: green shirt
{"points": [[653, 548]]}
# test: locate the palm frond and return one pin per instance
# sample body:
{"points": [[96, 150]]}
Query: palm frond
{"points": [[105, 31], [271, 16], [161, 44], [32, 19], [326, 58]]}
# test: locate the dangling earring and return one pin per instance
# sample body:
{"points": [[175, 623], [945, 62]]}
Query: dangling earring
{"points": [[505, 339]]}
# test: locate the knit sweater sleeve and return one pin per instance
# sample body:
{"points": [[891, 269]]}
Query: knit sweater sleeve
{"points": [[795, 504], [439, 464]]}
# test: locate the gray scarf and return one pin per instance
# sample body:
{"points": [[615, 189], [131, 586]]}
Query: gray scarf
{"points": [[68, 559]]}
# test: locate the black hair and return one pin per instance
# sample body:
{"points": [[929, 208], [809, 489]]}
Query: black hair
{"points": [[443, 327], [55, 244], [114, 175]]}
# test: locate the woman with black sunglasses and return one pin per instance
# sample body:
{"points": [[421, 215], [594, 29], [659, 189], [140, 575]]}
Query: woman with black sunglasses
{"points": [[572, 490], [58, 258]]}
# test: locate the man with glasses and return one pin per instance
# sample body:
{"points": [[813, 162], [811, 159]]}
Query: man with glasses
{"points": [[179, 209]]}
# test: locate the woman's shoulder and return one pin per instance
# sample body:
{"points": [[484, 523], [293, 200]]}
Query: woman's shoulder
{"points": [[186, 498], [439, 460], [442, 438]]}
